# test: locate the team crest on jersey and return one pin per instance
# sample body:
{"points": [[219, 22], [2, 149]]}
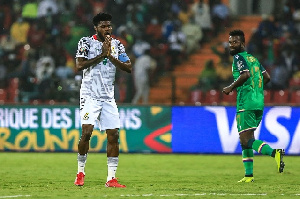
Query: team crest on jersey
{"points": [[86, 116], [82, 49]]}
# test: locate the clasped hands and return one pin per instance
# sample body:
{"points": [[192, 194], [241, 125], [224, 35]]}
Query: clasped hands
{"points": [[106, 47]]}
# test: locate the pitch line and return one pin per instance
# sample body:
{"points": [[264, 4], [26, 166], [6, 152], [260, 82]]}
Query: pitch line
{"points": [[15, 196], [202, 194]]}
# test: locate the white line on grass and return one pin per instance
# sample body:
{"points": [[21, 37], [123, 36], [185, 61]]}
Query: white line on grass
{"points": [[201, 194], [16, 196]]}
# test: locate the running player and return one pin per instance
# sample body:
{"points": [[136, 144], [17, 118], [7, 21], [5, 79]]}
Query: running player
{"points": [[98, 57], [249, 80]]}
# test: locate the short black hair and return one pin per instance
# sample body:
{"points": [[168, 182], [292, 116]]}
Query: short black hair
{"points": [[101, 17], [239, 33]]}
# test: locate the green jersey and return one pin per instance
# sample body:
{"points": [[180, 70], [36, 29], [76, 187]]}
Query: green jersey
{"points": [[250, 96]]}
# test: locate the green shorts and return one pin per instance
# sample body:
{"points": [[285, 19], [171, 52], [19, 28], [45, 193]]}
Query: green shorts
{"points": [[248, 120]]}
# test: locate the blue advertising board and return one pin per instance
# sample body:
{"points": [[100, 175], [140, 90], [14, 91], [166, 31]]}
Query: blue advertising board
{"points": [[212, 129]]}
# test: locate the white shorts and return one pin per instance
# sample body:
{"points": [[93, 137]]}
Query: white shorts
{"points": [[105, 112]]}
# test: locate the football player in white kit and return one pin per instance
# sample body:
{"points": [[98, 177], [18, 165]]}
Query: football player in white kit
{"points": [[98, 57]]}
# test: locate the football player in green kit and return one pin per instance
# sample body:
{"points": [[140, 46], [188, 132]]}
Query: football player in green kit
{"points": [[249, 80]]}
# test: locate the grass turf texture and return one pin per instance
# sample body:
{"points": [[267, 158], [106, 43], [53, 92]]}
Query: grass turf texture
{"points": [[51, 175]]}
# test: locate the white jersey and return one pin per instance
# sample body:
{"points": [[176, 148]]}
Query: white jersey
{"points": [[98, 80]]}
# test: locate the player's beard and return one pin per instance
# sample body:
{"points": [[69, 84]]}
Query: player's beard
{"points": [[100, 37], [236, 51]]}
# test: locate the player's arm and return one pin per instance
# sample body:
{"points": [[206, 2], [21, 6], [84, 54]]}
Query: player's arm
{"points": [[242, 66], [83, 63], [239, 82], [265, 74], [125, 66], [267, 77], [123, 62]]}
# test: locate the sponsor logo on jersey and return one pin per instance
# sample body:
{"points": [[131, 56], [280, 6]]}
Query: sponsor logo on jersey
{"points": [[240, 65]]}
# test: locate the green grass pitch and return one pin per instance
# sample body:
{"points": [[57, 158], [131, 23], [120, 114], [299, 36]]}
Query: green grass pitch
{"points": [[51, 175]]}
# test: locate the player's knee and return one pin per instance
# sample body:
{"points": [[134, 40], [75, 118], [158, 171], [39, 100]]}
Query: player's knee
{"points": [[112, 136], [86, 136], [250, 142], [245, 146], [86, 132]]}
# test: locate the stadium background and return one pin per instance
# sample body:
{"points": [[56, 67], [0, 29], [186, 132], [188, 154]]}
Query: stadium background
{"points": [[37, 116]]}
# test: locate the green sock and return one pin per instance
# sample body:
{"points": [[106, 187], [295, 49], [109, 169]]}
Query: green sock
{"points": [[261, 147], [248, 161]]}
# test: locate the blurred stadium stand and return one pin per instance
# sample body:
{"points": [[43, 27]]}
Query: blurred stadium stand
{"points": [[53, 29]]}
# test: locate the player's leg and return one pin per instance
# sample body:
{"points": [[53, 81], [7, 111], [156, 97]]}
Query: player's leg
{"points": [[247, 152], [110, 122], [89, 113], [265, 149], [250, 121], [83, 147], [247, 155], [258, 145], [112, 158], [112, 152]]}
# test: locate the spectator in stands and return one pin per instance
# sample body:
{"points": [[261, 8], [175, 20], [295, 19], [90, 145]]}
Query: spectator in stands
{"points": [[143, 66], [135, 20], [47, 7], [177, 46], [289, 59], [36, 34], [185, 13], [45, 68], [175, 8], [83, 13], [255, 45], [28, 88], [6, 17], [19, 31], [267, 27], [208, 78], [223, 66], [154, 29], [193, 35], [30, 10], [3, 74], [220, 16], [125, 37], [202, 18], [280, 77], [168, 25], [140, 46], [63, 71], [98, 5], [158, 51], [66, 13], [7, 44], [77, 30]]}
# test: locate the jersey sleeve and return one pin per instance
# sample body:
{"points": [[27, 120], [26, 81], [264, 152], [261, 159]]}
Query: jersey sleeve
{"points": [[240, 63], [262, 69], [83, 47], [123, 57]]}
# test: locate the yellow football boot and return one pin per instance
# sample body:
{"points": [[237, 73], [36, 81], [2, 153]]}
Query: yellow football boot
{"points": [[247, 179], [279, 159]]}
